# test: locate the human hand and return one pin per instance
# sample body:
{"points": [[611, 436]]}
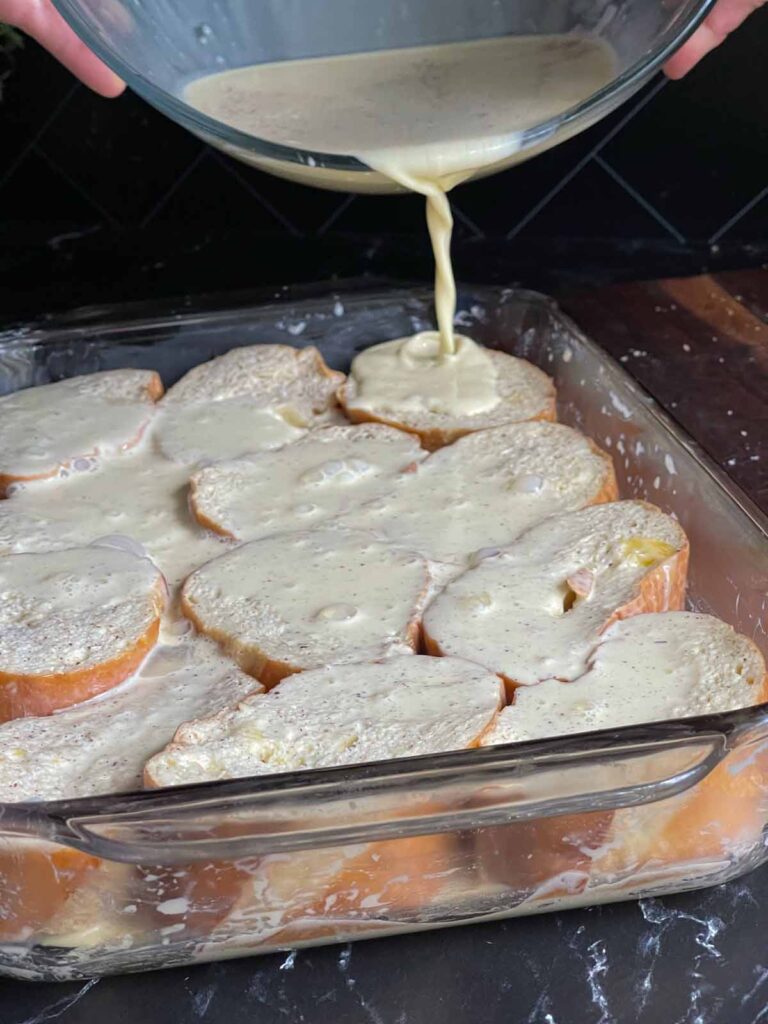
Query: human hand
{"points": [[41, 20], [724, 18]]}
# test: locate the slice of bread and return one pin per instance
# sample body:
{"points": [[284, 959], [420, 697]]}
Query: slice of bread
{"points": [[98, 747], [488, 487], [304, 897], [101, 746], [325, 474], [337, 715], [73, 624], [195, 432], [141, 497], [38, 879], [277, 375], [536, 609], [351, 892], [716, 823], [525, 393], [649, 668], [300, 600], [63, 428]]}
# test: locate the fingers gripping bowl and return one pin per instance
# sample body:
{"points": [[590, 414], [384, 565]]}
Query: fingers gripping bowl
{"points": [[99, 883]]}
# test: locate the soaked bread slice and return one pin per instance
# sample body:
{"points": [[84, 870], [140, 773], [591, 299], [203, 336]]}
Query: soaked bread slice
{"points": [[38, 879], [524, 393], [536, 609], [488, 487], [337, 715], [295, 601], [276, 375], [73, 624], [649, 668], [101, 746], [139, 501], [201, 432], [327, 473], [98, 747], [64, 428]]}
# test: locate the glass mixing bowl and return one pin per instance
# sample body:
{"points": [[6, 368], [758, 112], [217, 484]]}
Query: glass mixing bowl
{"points": [[159, 46]]}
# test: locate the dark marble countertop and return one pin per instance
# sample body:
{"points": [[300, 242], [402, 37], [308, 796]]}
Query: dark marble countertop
{"points": [[701, 347], [694, 959]]}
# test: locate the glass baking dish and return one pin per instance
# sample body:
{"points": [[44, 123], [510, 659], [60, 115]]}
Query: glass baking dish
{"points": [[154, 879]]}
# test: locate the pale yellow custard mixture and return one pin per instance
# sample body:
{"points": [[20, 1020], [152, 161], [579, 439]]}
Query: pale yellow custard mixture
{"points": [[427, 118]]}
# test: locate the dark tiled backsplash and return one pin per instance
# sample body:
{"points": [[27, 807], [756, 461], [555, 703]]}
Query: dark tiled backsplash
{"points": [[682, 166]]}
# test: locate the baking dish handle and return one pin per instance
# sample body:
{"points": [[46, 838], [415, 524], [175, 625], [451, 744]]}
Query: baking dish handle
{"points": [[494, 786]]}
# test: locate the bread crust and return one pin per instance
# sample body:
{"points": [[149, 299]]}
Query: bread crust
{"points": [[38, 879], [202, 519], [432, 438], [251, 660], [155, 389], [22, 696], [25, 695]]}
